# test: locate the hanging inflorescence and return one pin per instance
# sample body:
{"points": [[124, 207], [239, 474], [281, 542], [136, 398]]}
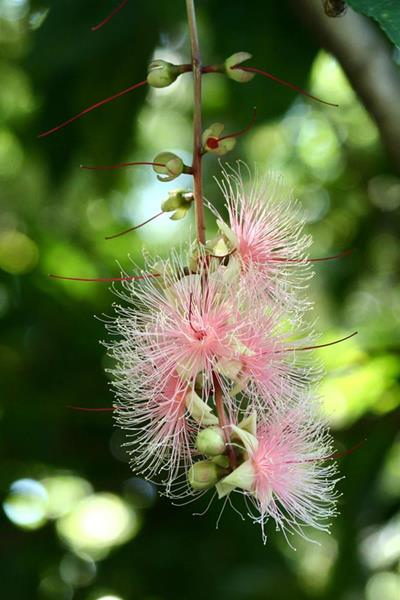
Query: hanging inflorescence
{"points": [[212, 376]]}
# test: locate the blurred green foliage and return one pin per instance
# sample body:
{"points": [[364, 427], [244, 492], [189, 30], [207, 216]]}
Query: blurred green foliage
{"points": [[75, 522]]}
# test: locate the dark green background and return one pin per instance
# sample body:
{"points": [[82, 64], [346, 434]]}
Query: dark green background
{"points": [[53, 219]]}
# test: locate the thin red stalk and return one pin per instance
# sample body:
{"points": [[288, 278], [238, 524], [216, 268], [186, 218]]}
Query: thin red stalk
{"points": [[324, 345], [330, 457], [83, 408], [112, 237], [294, 87], [93, 107], [242, 131], [300, 260], [110, 16], [120, 166], [103, 279]]}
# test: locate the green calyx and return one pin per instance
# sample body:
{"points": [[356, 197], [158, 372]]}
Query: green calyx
{"points": [[204, 474], [211, 441], [162, 73], [237, 74], [168, 164], [179, 203]]}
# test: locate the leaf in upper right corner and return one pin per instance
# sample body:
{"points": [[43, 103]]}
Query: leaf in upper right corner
{"points": [[386, 12]]}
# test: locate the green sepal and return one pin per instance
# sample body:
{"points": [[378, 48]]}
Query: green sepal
{"points": [[237, 74]]}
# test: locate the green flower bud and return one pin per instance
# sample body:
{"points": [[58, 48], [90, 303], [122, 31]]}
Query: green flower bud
{"points": [[211, 441], [162, 73], [221, 460], [172, 166], [203, 475], [237, 74]]}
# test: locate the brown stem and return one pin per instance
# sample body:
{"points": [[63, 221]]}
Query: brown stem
{"points": [[223, 421], [197, 126]]}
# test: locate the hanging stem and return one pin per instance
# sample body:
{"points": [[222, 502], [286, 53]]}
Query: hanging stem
{"points": [[197, 125]]}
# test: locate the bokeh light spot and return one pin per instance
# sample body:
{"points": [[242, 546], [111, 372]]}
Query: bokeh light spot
{"points": [[18, 253], [64, 491], [98, 523], [26, 504]]}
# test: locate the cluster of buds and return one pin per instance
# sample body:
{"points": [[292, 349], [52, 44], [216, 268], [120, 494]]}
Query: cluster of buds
{"points": [[211, 376]]}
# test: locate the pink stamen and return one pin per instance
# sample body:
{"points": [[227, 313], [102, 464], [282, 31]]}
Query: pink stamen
{"points": [[120, 166], [110, 16], [200, 333], [103, 279], [93, 107], [112, 237], [283, 82]]}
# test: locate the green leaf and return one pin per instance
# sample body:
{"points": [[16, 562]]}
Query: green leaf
{"points": [[386, 12]]}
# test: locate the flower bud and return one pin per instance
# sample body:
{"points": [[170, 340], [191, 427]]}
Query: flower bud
{"points": [[211, 441], [237, 74], [221, 460], [162, 73], [203, 475], [212, 142], [168, 164]]}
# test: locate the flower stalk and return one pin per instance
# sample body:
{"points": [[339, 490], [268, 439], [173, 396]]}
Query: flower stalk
{"points": [[197, 122]]}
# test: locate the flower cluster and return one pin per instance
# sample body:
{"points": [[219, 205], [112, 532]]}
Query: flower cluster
{"points": [[211, 377], [209, 344]]}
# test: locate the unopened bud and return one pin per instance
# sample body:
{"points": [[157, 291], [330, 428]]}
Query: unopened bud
{"points": [[211, 441], [168, 164], [238, 74], [162, 73], [203, 475]]}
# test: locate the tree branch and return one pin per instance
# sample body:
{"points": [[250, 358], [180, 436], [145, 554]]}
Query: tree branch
{"points": [[366, 58]]}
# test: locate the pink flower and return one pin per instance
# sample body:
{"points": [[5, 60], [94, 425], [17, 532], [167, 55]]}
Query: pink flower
{"points": [[186, 330], [286, 474], [156, 418], [266, 230], [169, 347]]}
